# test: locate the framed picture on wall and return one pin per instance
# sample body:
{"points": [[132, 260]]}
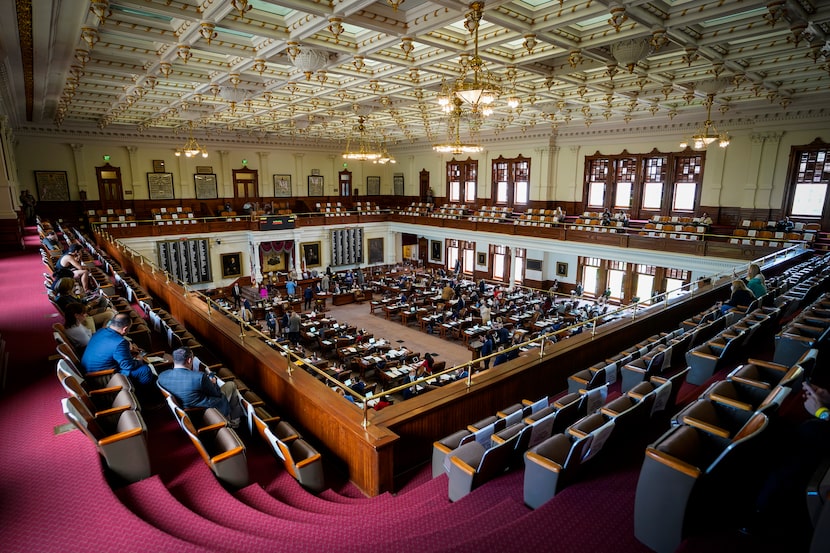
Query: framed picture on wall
{"points": [[436, 251], [375, 250], [160, 185], [205, 186], [52, 186], [282, 186], [311, 254], [231, 265], [372, 186], [561, 269], [397, 184], [315, 185], [481, 258]]}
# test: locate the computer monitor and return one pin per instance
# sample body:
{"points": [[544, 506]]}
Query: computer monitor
{"points": [[313, 329], [371, 340]]}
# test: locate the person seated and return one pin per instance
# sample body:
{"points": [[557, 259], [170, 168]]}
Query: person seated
{"points": [[109, 348], [425, 366], [756, 282], [98, 308], [69, 265], [785, 225], [50, 241], [341, 392], [741, 296], [78, 332], [705, 220], [501, 357], [193, 388]]}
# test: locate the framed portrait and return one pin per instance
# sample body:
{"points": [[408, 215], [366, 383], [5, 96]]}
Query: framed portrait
{"points": [[205, 185], [375, 250], [481, 259], [52, 186], [282, 186], [160, 185], [311, 254], [436, 250], [397, 184], [372, 186], [561, 269], [315, 185], [231, 265]]}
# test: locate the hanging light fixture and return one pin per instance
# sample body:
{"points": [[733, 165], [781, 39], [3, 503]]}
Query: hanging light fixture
{"points": [[708, 133], [363, 150], [455, 146], [475, 86], [191, 148]]}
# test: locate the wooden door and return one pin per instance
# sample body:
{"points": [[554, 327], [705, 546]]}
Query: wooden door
{"points": [[110, 191], [246, 185], [423, 247], [345, 183], [423, 184]]}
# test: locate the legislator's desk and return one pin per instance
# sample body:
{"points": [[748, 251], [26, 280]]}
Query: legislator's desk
{"points": [[342, 298]]}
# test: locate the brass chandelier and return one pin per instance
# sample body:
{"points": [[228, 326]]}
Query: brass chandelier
{"points": [[475, 86], [363, 149], [708, 133], [455, 146], [191, 148]]}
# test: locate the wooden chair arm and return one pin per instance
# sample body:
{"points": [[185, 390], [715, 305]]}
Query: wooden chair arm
{"points": [[211, 427], [706, 427], [120, 436], [673, 462], [102, 391], [705, 355], [768, 365], [552, 466], [441, 447], [750, 382], [111, 411], [227, 454], [577, 433], [732, 402], [102, 372], [308, 461], [470, 471]]}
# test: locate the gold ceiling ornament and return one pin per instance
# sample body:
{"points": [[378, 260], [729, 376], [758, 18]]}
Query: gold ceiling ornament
{"points": [[150, 81], [165, 68], [359, 147], [292, 49], [358, 63], [322, 77], [707, 133], [235, 79], [242, 6], [191, 148], [395, 3], [183, 51], [574, 58], [101, 10], [207, 30], [549, 81], [529, 42], [667, 89], [618, 15], [336, 27], [90, 36], [82, 55], [259, 66], [611, 69], [454, 145], [475, 85], [691, 55], [407, 46], [512, 99], [799, 31], [658, 38], [776, 10]]}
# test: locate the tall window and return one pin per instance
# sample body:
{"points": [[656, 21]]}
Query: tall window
{"points": [[644, 184], [511, 181], [675, 278], [521, 266], [687, 179], [453, 255], [499, 257], [645, 282], [462, 180], [468, 252], [590, 275], [809, 178]]}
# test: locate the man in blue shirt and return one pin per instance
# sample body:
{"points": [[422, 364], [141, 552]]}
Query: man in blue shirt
{"points": [[108, 348], [291, 288], [197, 389]]}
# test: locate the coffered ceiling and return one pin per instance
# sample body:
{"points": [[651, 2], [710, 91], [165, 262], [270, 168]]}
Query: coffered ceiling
{"points": [[302, 71]]}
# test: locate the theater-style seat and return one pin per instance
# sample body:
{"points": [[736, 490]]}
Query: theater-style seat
{"points": [[221, 450], [441, 448], [588, 379], [106, 379], [707, 359], [712, 416], [795, 340], [551, 465], [472, 464], [102, 401], [692, 480], [642, 369], [303, 462], [764, 373], [121, 438]]}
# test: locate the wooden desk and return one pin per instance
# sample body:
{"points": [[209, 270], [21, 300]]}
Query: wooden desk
{"points": [[342, 299]]}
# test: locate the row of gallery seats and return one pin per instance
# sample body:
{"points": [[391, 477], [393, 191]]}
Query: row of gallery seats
{"points": [[335, 209], [218, 444]]}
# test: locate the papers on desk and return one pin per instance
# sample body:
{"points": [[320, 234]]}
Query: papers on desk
{"points": [[351, 350], [155, 359]]}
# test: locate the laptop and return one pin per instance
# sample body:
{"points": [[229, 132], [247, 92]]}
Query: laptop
{"points": [[313, 329], [371, 340]]}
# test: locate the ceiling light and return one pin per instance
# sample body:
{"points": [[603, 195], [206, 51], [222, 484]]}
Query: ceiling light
{"points": [[455, 146], [708, 133], [475, 85], [364, 150], [191, 148]]}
